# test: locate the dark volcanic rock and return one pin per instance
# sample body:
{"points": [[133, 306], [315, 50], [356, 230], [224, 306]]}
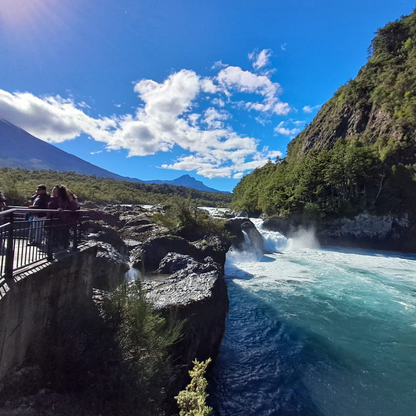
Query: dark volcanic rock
{"points": [[213, 247], [173, 262], [149, 255], [233, 226], [200, 300], [378, 232], [369, 231], [256, 239], [106, 234], [132, 219], [236, 226], [142, 232], [109, 262]]}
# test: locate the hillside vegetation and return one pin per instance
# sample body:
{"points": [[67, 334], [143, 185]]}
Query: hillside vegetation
{"points": [[359, 153], [19, 184]]}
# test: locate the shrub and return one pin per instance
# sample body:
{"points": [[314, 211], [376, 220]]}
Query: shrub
{"points": [[142, 340], [192, 400]]}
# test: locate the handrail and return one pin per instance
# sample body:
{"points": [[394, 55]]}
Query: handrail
{"points": [[28, 209], [24, 242]]}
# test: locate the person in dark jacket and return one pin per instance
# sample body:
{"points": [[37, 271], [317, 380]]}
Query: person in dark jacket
{"points": [[40, 201], [62, 200], [3, 205]]}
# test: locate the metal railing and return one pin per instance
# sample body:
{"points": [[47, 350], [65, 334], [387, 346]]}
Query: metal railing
{"points": [[28, 236]]}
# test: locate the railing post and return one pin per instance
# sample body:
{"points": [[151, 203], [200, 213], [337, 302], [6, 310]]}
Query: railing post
{"points": [[49, 247], [10, 251], [75, 230]]}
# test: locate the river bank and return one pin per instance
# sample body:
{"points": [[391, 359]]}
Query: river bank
{"points": [[366, 231]]}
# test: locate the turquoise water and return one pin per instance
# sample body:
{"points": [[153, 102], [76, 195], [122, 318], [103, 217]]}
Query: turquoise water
{"points": [[317, 332]]}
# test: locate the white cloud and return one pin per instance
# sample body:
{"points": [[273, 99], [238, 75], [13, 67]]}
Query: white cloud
{"points": [[280, 129], [260, 59], [193, 118], [49, 118], [165, 119], [214, 119], [218, 102], [218, 65], [238, 175], [208, 86], [234, 78], [283, 46], [308, 109]]}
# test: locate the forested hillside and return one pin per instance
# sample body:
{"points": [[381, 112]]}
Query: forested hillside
{"points": [[19, 184], [359, 152]]}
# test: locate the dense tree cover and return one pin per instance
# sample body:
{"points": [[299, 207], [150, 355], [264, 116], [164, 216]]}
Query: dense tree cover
{"points": [[380, 103], [19, 184], [388, 80], [359, 153], [343, 181]]}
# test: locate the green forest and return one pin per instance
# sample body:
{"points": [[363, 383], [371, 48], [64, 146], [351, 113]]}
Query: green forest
{"points": [[19, 184], [359, 153]]}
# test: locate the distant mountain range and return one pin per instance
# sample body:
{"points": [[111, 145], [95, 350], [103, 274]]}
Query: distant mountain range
{"points": [[19, 149]]}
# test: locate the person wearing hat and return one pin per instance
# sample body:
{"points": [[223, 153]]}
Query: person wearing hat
{"points": [[40, 201]]}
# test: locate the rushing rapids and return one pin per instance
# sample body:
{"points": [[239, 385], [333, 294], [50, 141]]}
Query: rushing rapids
{"points": [[317, 331]]}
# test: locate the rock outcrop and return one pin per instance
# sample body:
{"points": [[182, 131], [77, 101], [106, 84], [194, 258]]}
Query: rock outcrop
{"points": [[196, 293], [148, 256], [184, 279], [237, 227], [385, 232]]}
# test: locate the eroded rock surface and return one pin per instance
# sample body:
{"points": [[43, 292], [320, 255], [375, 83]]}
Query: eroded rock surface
{"points": [[195, 293], [387, 232], [236, 226]]}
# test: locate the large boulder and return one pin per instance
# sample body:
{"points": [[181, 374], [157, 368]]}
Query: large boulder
{"points": [[109, 268], [213, 247], [148, 256], [195, 294], [174, 262], [106, 234], [256, 239], [233, 226], [236, 226], [141, 232]]}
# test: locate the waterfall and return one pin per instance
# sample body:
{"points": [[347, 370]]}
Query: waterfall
{"points": [[276, 242]]}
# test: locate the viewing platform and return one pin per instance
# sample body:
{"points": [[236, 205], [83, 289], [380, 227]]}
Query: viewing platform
{"points": [[33, 238]]}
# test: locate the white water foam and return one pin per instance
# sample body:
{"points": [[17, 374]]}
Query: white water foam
{"points": [[342, 319], [303, 238]]}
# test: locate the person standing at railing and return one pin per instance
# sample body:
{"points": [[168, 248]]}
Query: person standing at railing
{"points": [[41, 201], [63, 200], [3, 205]]}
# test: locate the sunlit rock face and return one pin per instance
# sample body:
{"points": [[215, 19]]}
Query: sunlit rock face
{"points": [[195, 293], [386, 232]]}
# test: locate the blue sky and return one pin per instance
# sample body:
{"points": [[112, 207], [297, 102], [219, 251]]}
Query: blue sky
{"points": [[157, 89]]}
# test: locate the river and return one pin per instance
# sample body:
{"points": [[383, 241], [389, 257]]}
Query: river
{"points": [[317, 331]]}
